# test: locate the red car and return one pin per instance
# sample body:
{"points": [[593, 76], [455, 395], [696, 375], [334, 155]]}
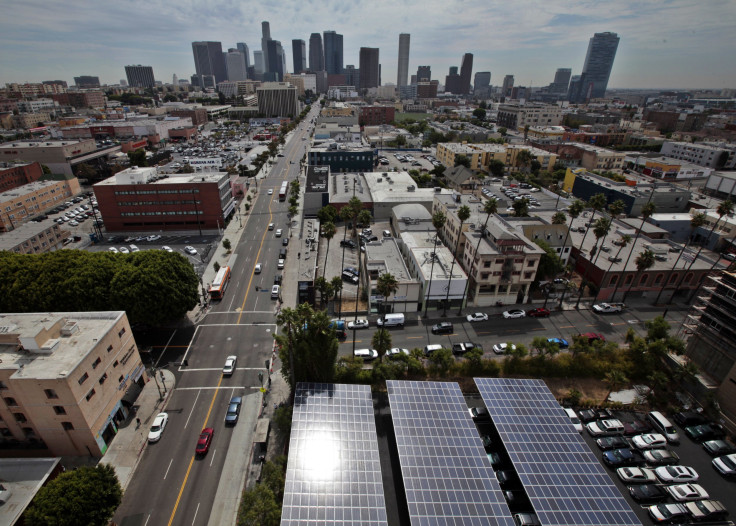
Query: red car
{"points": [[539, 312], [205, 439], [592, 336]]}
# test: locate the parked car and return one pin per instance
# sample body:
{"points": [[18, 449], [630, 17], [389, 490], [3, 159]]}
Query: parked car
{"points": [[588, 415], [649, 441], [674, 474], [514, 313], [539, 312], [124, 250], [166, 248], [190, 250], [444, 327], [707, 510], [661, 457], [592, 336], [154, 237], [718, 447], [634, 475], [605, 427], [562, 343], [157, 429], [462, 348], [574, 419], [204, 441], [726, 465], [636, 427], [608, 308], [687, 492], [623, 457], [358, 324], [229, 366], [394, 351], [689, 418], [668, 513], [233, 410], [113, 250], [479, 413], [502, 348], [612, 442], [704, 432], [477, 316], [648, 493]]}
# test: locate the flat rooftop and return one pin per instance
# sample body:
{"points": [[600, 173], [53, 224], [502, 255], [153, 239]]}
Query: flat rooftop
{"points": [[422, 245], [23, 232], [385, 257], [42, 144]]}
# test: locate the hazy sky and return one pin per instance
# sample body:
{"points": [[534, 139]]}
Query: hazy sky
{"points": [[664, 43]]}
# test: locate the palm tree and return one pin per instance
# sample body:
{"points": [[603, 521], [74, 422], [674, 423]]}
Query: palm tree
{"points": [[646, 211], [600, 230], [438, 221], [521, 207], [615, 379], [624, 240], [386, 285], [381, 342], [696, 221], [328, 232], [597, 202], [559, 218], [463, 213], [345, 214], [574, 211], [524, 158], [644, 261], [490, 207]]}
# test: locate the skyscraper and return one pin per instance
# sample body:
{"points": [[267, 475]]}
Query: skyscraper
{"points": [[258, 61], [333, 52], [403, 71], [369, 69], [352, 76], [508, 84], [235, 62], [299, 53], [482, 84], [598, 64], [208, 60], [424, 73], [561, 82], [139, 76], [316, 53], [466, 70], [265, 37], [243, 48], [275, 68]]}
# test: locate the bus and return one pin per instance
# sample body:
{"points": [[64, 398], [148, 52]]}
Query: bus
{"points": [[283, 190], [219, 284]]}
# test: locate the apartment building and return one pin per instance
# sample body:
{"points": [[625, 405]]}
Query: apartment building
{"points": [[25, 202], [601, 159], [34, 238], [67, 379], [518, 116], [15, 174], [712, 155], [481, 154]]}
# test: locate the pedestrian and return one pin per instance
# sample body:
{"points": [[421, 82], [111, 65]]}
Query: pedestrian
{"points": [[137, 422]]}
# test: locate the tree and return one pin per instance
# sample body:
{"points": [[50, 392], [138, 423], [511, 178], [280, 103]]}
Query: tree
{"points": [[226, 244], [463, 213], [441, 361], [600, 230], [644, 261], [479, 113], [524, 159], [259, 507], [496, 167], [186, 169], [559, 218], [137, 157], [521, 207], [646, 211], [45, 169], [502, 131], [615, 379], [307, 345], [364, 217], [696, 221], [550, 263], [336, 284], [386, 285], [86, 495], [327, 214], [328, 232], [438, 221], [85, 171], [381, 342], [462, 160]]}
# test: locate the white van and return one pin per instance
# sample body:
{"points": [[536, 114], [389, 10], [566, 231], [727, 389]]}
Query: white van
{"points": [[275, 290], [574, 419], [391, 320], [429, 349], [664, 426], [366, 354]]}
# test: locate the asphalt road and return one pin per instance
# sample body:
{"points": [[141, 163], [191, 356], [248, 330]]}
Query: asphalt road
{"points": [[171, 485]]}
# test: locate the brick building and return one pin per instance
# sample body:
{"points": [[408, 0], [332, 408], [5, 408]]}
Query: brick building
{"points": [[372, 115], [198, 115], [22, 203], [13, 175]]}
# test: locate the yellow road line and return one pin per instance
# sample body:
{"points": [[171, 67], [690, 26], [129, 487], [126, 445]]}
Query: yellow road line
{"points": [[566, 326], [258, 257], [414, 337]]}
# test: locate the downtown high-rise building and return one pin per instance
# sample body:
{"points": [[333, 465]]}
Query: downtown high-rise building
{"points": [[139, 76], [299, 54], [276, 66], [265, 38], [87, 81], [598, 65], [243, 48], [333, 52], [424, 73], [482, 84], [258, 62], [352, 76], [507, 86], [561, 82], [403, 69], [209, 60], [370, 73], [235, 63], [466, 71], [316, 53]]}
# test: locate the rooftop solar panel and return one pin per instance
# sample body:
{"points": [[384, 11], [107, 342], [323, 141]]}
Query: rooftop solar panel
{"points": [[448, 479], [334, 473], [565, 482]]}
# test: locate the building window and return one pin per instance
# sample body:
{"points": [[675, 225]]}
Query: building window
{"points": [[120, 380], [59, 410], [613, 280], [531, 262], [643, 279], [68, 426], [122, 331], [103, 378], [90, 395], [658, 279], [50, 393], [10, 401], [486, 264], [109, 349], [673, 279], [3, 385], [629, 279], [4, 431], [115, 363], [97, 362], [528, 275], [20, 417], [83, 378]]}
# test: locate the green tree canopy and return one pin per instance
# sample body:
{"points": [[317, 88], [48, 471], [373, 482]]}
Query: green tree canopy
{"points": [[496, 167], [86, 495], [479, 113], [462, 160], [327, 214], [550, 263], [137, 157]]}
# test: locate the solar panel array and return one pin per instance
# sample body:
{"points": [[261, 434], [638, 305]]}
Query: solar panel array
{"points": [[565, 482], [448, 479], [333, 476]]}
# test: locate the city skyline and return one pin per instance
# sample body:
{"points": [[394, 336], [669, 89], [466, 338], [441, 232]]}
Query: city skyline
{"points": [[664, 44]]}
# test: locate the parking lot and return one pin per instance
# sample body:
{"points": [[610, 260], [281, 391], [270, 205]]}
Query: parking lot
{"points": [[405, 160], [506, 191]]}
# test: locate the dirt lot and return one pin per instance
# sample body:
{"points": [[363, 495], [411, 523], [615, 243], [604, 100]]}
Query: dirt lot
{"points": [[591, 388]]}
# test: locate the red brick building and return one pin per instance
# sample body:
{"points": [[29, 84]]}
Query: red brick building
{"points": [[372, 115], [13, 175], [81, 99], [198, 116]]}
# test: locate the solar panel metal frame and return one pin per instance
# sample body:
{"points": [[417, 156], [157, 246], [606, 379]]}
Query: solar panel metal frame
{"points": [[564, 480], [333, 476], [448, 479]]}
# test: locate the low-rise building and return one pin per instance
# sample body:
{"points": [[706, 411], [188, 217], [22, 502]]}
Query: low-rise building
{"points": [[373, 115], [385, 257], [601, 159], [26, 202], [343, 157], [33, 238], [665, 168], [717, 156], [31, 120], [721, 184], [278, 99], [65, 379], [18, 173], [517, 116], [481, 154]]}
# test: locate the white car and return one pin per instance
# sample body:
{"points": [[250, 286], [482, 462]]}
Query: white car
{"points": [[574, 419], [190, 250], [649, 441], [270, 191], [229, 367], [134, 248], [157, 429], [501, 348], [280, 264], [676, 474], [687, 492], [396, 350], [477, 316], [608, 308], [257, 270], [167, 249], [73, 223], [636, 475], [113, 250], [278, 233], [270, 226], [124, 250], [358, 324], [726, 465], [607, 427], [154, 237], [514, 313]]}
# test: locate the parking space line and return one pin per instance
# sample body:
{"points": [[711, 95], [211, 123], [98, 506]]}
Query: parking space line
{"points": [[415, 337]]}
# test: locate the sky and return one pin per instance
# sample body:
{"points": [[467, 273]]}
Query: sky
{"points": [[665, 44]]}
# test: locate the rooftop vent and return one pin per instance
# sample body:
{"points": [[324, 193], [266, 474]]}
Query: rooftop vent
{"points": [[69, 328]]}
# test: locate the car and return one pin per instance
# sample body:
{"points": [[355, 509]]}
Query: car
{"points": [[726, 465], [506, 478], [285, 241], [270, 191], [113, 250], [358, 324], [667, 513], [661, 457], [647, 493], [477, 316], [502, 348], [154, 237], [394, 351], [704, 432], [572, 415], [280, 155], [514, 313], [608, 308], [258, 268], [524, 519], [562, 343], [592, 336], [718, 447], [444, 327], [124, 250], [190, 250], [280, 264], [539, 312], [278, 232], [636, 427], [73, 223], [166, 248], [689, 418], [588, 415], [352, 271], [707, 510], [134, 248], [671, 474], [687, 492], [349, 243], [204, 441], [623, 457], [649, 441], [158, 426], [479, 413], [229, 366], [605, 427], [233, 410], [612, 442], [462, 348], [633, 475]]}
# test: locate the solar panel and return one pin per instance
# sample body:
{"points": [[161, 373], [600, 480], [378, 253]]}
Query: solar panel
{"points": [[564, 480], [334, 473], [448, 479]]}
